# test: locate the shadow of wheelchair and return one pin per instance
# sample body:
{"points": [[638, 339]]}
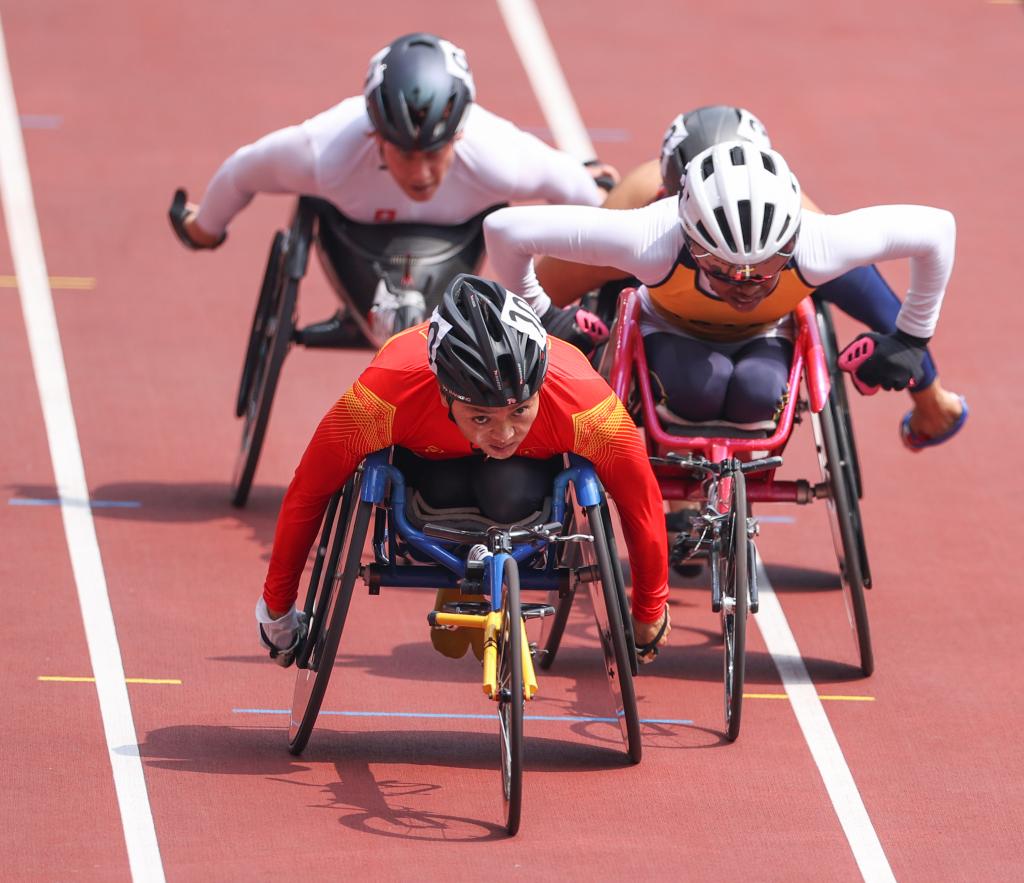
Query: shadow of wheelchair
{"points": [[412, 806]]}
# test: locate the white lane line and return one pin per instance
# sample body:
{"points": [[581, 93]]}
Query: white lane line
{"points": [[545, 74], [69, 473], [531, 40], [821, 740]]}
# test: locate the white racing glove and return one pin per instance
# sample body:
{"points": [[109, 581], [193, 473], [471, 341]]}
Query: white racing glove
{"points": [[280, 636]]}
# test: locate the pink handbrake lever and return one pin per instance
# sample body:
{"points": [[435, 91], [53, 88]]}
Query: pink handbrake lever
{"points": [[855, 355], [592, 325]]}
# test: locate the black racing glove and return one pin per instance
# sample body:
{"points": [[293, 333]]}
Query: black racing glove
{"points": [[177, 215], [582, 329], [896, 361]]}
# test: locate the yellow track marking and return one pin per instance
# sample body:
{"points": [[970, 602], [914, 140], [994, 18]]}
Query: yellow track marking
{"points": [[820, 696], [93, 680], [80, 283]]}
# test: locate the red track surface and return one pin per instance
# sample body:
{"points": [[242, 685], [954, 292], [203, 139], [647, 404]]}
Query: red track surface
{"points": [[913, 102]]}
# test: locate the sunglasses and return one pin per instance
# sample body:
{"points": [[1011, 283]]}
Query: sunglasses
{"points": [[740, 274]]}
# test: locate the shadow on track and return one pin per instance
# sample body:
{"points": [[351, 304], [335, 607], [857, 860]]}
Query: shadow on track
{"points": [[405, 808]]}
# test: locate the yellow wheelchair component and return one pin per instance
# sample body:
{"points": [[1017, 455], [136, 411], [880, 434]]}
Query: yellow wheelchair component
{"points": [[491, 624]]}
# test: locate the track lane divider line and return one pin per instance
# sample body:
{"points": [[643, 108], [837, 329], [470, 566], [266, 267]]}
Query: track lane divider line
{"points": [[818, 734], [69, 473], [552, 91], [530, 37]]}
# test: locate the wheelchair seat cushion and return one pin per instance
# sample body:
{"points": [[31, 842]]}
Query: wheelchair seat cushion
{"points": [[420, 512]]}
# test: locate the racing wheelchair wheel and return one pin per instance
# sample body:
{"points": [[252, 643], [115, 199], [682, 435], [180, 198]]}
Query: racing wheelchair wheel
{"points": [[510, 696], [845, 524], [553, 634], [735, 557], [406, 316], [261, 318], [554, 628], [327, 602], [271, 336], [845, 445], [827, 333], [625, 614], [619, 656]]}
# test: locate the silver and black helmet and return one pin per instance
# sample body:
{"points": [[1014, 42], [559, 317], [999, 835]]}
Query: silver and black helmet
{"points": [[695, 131], [485, 344], [418, 91]]}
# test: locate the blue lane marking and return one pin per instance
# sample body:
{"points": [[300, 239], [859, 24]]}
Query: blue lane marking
{"points": [[41, 121], [424, 714], [95, 504]]}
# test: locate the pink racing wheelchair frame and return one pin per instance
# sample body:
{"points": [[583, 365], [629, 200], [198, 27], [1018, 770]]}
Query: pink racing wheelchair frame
{"points": [[629, 364]]}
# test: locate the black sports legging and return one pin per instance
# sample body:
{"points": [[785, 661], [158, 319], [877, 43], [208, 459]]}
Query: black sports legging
{"points": [[699, 382], [504, 491]]}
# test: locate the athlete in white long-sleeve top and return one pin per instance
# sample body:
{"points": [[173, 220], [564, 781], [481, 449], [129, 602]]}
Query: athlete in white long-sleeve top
{"points": [[723, 266], [414, 148]]}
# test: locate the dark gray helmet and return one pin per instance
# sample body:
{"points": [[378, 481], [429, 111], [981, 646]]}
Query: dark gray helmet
{"points": [[697, 130], [418, 91], [485, 344]]}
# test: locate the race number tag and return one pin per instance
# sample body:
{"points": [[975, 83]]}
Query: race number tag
{"points": [[436, 331], [518, 314]]}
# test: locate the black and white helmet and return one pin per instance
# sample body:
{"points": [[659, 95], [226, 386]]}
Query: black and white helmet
{"points": [[699, 129], [485, 344], [740, 202], [418, 91]]}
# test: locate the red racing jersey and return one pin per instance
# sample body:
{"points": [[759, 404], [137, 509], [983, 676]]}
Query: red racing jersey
{"points": [[396, 401]]}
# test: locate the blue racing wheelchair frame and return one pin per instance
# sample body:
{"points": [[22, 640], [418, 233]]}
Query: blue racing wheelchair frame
{"points": [[574, 548]]}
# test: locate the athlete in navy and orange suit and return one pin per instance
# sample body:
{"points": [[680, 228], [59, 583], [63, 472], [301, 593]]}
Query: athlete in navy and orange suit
{"points": [[434, 390]]}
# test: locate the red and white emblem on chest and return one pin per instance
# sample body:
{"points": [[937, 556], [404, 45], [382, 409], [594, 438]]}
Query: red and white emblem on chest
{"points": [[384, 216]]}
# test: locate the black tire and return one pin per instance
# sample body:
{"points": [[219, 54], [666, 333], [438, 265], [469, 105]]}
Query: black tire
{"points": [[844, 436], [735, 599], [272, 346], [329, 599], [827, 333], [847, 536], [264, 308], [406, 317], [510, 697], [554, 628], [620, 655], [620, 587]]}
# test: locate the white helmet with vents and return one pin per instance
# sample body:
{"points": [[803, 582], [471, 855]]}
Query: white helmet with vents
{"points": [[740, 202]]}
